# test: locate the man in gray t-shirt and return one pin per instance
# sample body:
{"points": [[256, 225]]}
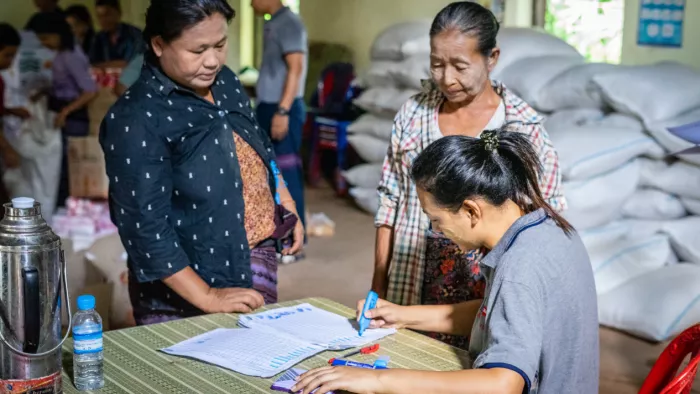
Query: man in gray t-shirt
{"points": [[280, 106], [539, 317]]}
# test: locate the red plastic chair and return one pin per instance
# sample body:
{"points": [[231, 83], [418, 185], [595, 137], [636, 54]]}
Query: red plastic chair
{"points": [[663, 379]]}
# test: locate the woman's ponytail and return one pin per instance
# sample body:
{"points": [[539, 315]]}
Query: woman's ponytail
{"points": [[516, 152]]}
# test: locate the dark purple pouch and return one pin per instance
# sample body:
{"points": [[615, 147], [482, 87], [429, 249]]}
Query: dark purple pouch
{"points": [[285, 221]]}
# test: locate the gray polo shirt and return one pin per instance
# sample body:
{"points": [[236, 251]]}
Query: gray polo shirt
{"points": [[283, 34], [539, 317]]}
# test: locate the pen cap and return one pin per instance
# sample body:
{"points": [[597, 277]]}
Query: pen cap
{"points": [[370, 303], [382, 361]]}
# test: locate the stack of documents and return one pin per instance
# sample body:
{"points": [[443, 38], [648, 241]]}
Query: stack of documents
{"points": [[275, 340]]}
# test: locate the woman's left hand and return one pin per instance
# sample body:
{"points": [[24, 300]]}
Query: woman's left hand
{"points": [[279, 127], [354, 380], [298, 237]]}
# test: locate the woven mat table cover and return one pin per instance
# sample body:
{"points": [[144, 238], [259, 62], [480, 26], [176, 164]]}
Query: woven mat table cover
{"points": [[133, 363]]}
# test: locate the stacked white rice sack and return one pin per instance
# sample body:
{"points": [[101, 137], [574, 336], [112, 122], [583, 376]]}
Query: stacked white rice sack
{"points": [[632, 203], [399, 60]]}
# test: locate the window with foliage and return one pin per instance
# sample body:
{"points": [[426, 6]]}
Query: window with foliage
{"points": [[594, 27], [292, 4]]}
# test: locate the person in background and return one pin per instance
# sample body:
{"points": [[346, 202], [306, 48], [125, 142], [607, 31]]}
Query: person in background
{"points": [[43, 6], [414, 265], [192, 175], [80, 21], [280, 90], [9, 44], [72, 85], [117, 42], [536, 330], [130, 74]]}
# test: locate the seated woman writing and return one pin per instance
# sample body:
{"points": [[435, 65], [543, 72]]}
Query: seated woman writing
{"points": [[536, 330]]}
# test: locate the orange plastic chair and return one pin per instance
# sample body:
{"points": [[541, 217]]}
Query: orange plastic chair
{"points": [[663, 379]]}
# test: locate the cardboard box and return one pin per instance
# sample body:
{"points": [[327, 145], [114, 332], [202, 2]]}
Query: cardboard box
{"points": [[86, 168], [99, 107]]}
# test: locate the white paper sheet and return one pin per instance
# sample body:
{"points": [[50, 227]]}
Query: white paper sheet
{"points": [[314, 325], [253, 352]]}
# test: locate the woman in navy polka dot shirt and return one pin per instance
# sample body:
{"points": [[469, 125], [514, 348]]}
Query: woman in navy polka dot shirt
{"points": [[194, 190]]}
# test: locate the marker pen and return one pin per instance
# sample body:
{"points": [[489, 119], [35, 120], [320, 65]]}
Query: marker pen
{"points": [[347, 363], [370, 303]]}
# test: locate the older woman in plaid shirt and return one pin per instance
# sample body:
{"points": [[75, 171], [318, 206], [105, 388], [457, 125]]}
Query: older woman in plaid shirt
{"points": [[414, 265]]}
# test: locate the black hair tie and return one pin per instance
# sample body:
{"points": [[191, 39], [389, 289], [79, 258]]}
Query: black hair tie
{"points": [[490, 139]]}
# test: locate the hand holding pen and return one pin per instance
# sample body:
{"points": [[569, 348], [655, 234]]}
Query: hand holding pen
{"points": [[384, 314]]}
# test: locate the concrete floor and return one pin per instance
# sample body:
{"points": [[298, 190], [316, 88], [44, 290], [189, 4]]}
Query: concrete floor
{"points": [[340, 268]]}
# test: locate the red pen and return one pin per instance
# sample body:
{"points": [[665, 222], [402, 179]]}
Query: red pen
{"points": [[365, 350]]}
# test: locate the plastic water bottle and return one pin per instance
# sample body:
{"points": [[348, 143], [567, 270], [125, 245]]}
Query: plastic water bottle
{"points": [[87, 346]]}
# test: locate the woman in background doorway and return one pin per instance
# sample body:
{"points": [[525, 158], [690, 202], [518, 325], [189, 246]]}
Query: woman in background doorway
{"points": [[72, 86], [414, 265], [80, 21]]}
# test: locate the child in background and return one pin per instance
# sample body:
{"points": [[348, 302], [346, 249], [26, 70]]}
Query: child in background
{"points": [[80, 21], [9, 43], [72, 85]]}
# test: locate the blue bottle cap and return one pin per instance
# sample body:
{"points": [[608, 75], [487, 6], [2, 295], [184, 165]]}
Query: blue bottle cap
{"points": [[86, 301]]}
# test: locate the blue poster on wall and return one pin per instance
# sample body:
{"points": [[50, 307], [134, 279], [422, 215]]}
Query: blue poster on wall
{"points": [[661, 23]]}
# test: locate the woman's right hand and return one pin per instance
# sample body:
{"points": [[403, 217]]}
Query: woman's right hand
{"points": [[385, 315], [233, 300]]}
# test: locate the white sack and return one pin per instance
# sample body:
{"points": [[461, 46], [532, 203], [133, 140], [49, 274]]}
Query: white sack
{"points": [[609, 235], [685, 238], [588, 151], [656, 305], [571, 117], [379, 74], [605, 236], [691, 205], [574, 89], [366, 199], [411, 72], [40, 146], [673, 144], [373, 125], [616, 120], [384, 101], [518, 43], [679, 178], [402, 40], [625, 260], [366, 176], [370, 149], [528, 77], [652, 93], [597, 201], [653, 204], [643, 228]]}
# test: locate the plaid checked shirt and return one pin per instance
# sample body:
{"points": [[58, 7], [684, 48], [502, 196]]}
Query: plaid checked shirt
{"points": [[416, 127]]}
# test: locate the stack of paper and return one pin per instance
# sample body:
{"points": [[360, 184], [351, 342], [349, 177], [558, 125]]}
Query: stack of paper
{"points": [[314, 325], [275, 340]]}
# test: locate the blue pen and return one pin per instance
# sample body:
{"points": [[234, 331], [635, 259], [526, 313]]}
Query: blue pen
{"points": [[370, 303], [346, 363]]}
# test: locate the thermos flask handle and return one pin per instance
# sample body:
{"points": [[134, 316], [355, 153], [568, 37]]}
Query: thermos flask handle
{"points": [[64, 281], [32, 311]]}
